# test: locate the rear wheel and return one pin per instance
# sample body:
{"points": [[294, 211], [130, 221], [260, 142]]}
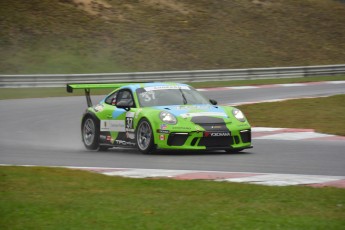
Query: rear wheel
{"points": [[144, 137], [90, 133]]}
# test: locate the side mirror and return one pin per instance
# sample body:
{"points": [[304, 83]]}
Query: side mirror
{"points": [[213, 102], [124, 104]]}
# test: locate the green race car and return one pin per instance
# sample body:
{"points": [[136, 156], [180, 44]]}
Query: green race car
{"points": [[166, 116]]}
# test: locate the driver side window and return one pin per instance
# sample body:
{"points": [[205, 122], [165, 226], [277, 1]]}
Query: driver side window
{"points": [[111, 100], [125, 96]]}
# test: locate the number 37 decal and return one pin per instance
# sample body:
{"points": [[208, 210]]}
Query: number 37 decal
{"points": [[129, 121]]}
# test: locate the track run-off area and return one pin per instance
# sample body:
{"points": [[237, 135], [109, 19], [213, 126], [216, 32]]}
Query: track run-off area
{"points": [[46, 132]]}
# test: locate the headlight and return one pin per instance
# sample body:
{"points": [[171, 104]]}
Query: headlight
{"points": [[168, 118], [239, 115]]}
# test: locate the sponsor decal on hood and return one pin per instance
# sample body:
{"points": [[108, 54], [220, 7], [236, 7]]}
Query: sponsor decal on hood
{"points": [[204, 114], [187, 111]]}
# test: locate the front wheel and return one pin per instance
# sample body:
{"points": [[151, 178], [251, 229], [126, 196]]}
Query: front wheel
{"points": [[144, 137], [90, 133]]}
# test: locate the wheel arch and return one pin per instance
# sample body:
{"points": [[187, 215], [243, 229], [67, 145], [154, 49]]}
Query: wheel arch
{"points": [[154, 125], [94, 145], [87, 115], [153, 128]]}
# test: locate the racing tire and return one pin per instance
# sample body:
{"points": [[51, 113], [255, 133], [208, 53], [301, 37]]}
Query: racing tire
{"points": [[144, 137], [90, 133]]}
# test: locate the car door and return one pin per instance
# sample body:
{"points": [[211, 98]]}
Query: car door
{"points": [[120, 121]]}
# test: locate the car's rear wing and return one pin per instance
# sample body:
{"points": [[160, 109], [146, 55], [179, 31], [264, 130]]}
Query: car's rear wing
{"points": [[87, 88]]}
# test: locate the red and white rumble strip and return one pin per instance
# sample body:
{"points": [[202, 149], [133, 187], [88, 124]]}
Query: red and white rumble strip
{"points": [[241, 177], [270, 179]]}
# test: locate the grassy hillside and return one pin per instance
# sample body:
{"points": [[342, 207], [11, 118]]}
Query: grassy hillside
{"points": [[83, 36]]}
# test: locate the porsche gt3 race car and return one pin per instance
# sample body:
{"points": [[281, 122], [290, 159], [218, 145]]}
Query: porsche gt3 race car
{"points": [[166, 116]]}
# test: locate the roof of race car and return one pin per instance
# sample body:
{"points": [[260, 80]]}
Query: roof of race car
{"points": [[154, 85]]}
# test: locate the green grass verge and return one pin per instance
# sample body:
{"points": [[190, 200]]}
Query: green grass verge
{"points": [[325, 115], [55, 198], [17, 93]]}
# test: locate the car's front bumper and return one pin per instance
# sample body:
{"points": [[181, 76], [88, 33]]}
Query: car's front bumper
{"points": [[201, 140]]}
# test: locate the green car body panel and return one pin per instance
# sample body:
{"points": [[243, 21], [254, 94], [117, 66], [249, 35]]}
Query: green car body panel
{"points": [[180, 118]]}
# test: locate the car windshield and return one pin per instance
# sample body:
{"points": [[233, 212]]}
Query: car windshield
{"points": [[169, 95]]}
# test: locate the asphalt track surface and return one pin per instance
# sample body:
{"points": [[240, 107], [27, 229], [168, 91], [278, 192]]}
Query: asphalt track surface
{"points": [[47, 132]]}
